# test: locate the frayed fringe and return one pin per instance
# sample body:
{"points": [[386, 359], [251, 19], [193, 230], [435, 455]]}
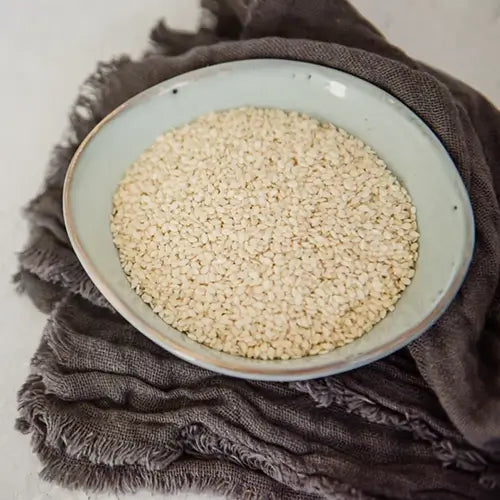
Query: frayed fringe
{"points": [[87, 111], [71, 438], [49, 267], [77, 458], [330, 391], [198, 440], [80, 475]]}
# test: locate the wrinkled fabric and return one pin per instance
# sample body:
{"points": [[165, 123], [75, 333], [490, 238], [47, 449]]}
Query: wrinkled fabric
{"points": [[109, 410]]}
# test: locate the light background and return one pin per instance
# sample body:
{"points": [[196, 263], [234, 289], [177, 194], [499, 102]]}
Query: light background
{"points": [[48, 47]]}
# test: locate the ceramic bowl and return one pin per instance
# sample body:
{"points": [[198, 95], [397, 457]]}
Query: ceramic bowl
{"points": [[400, 137]]}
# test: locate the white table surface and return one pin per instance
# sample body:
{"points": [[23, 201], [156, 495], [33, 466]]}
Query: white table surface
{"points": [[47, 48]]}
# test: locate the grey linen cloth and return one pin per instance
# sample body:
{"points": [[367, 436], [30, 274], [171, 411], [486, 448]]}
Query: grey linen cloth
{"points": [[108, 410]]}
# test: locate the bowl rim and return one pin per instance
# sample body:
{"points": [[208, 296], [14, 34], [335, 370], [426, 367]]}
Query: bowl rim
{"points": [[211, 361]]}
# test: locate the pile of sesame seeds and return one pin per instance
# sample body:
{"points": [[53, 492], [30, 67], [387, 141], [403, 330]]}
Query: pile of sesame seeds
{"points": [[265, 233]]}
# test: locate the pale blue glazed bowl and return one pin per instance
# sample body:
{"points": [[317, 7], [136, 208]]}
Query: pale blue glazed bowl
{"points": [[401, 138]]}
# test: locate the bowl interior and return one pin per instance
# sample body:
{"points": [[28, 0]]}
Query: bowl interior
{"points": [[408, 146]]}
